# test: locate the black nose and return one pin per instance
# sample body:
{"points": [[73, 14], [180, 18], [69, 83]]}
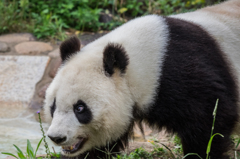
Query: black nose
{"points": [[57, 139]]}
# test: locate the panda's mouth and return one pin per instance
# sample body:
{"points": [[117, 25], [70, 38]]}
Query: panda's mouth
{"points": [[75, 147]]}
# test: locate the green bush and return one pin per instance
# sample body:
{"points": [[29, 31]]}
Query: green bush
{"points": [[48, 18], [13, 18]]}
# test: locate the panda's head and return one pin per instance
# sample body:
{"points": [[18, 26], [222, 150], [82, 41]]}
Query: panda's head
{"points": [[88, 103]]}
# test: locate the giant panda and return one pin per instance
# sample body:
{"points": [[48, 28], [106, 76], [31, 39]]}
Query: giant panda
{"points": [[165, 71]]}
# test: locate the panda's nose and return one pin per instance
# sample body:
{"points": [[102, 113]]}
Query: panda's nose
{"points": [[57, 139]]}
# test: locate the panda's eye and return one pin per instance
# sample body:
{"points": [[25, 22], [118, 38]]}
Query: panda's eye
{"points": [[79, 108], [82, 112]]}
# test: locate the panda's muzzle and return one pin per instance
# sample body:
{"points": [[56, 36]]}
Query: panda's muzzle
{"points": [[75, 147]]}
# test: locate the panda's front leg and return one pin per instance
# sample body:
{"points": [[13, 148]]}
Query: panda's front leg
{"points": [[195, 140]]}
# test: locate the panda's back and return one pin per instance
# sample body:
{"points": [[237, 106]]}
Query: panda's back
{"points": [[222, 22]]}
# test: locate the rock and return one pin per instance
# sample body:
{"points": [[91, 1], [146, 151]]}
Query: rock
{"points": [[12, 109], [105, 17], [54, 54], [42, 91], [17, 37], [86, 38], [10, 157], [3, 47], [36, 104], [19, 75], [32, 47], [56, 63]]}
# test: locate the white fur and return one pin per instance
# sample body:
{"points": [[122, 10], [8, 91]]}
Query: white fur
{"points": [[110, 99]]}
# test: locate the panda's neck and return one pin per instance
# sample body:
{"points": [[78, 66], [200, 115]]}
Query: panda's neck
{"points": [[146, 47]]}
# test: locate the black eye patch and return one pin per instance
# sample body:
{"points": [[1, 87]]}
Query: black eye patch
{"points": [[82, 112], [53, 107]]}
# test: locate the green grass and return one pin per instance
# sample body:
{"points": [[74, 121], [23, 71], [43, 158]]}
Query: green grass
{"points": [[30, 154]]}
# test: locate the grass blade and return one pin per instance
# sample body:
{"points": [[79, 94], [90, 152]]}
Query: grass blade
{"points": [[30, 150], [168, 150], [6, 153], [238, 143], [113, 147], [20, 153], [21, 156], [39, 143], [192, 154], [86, 156], [210, 142]]}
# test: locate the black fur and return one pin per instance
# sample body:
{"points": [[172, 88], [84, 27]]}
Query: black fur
{"points": [[53, 107], [194, 75], [114, 56], [84, 117], [69, 47]]}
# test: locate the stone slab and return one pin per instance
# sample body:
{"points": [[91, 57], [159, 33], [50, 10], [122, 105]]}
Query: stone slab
{"points": [[3, 47], [55, 53], [32, 47], [18, 77], [17, 37]]}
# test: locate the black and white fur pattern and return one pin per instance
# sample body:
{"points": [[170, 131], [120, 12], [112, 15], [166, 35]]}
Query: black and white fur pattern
{"points": [[166, 71]]}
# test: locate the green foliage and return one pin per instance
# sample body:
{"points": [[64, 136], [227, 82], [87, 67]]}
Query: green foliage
{"points": [[56, 155], [164, 7], [178, 6], [12, 17], [28, 155], [74, 13], [48, 26], [178, 145], [49, 18], [141, 153], [212, 135]]}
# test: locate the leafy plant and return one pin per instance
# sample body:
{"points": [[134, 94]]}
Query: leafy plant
{"points": [[30, 154], [48, 26], [13, 17], [49, 19], [141, 153], [211, 137], [44, 137], [178, 145]]}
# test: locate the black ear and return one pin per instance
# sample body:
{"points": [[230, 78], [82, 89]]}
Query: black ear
{"points": [[69, 47], [114, 56]]}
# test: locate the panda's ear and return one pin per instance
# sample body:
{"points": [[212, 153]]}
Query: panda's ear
{"points": [[114, 56], [69, 47]]}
